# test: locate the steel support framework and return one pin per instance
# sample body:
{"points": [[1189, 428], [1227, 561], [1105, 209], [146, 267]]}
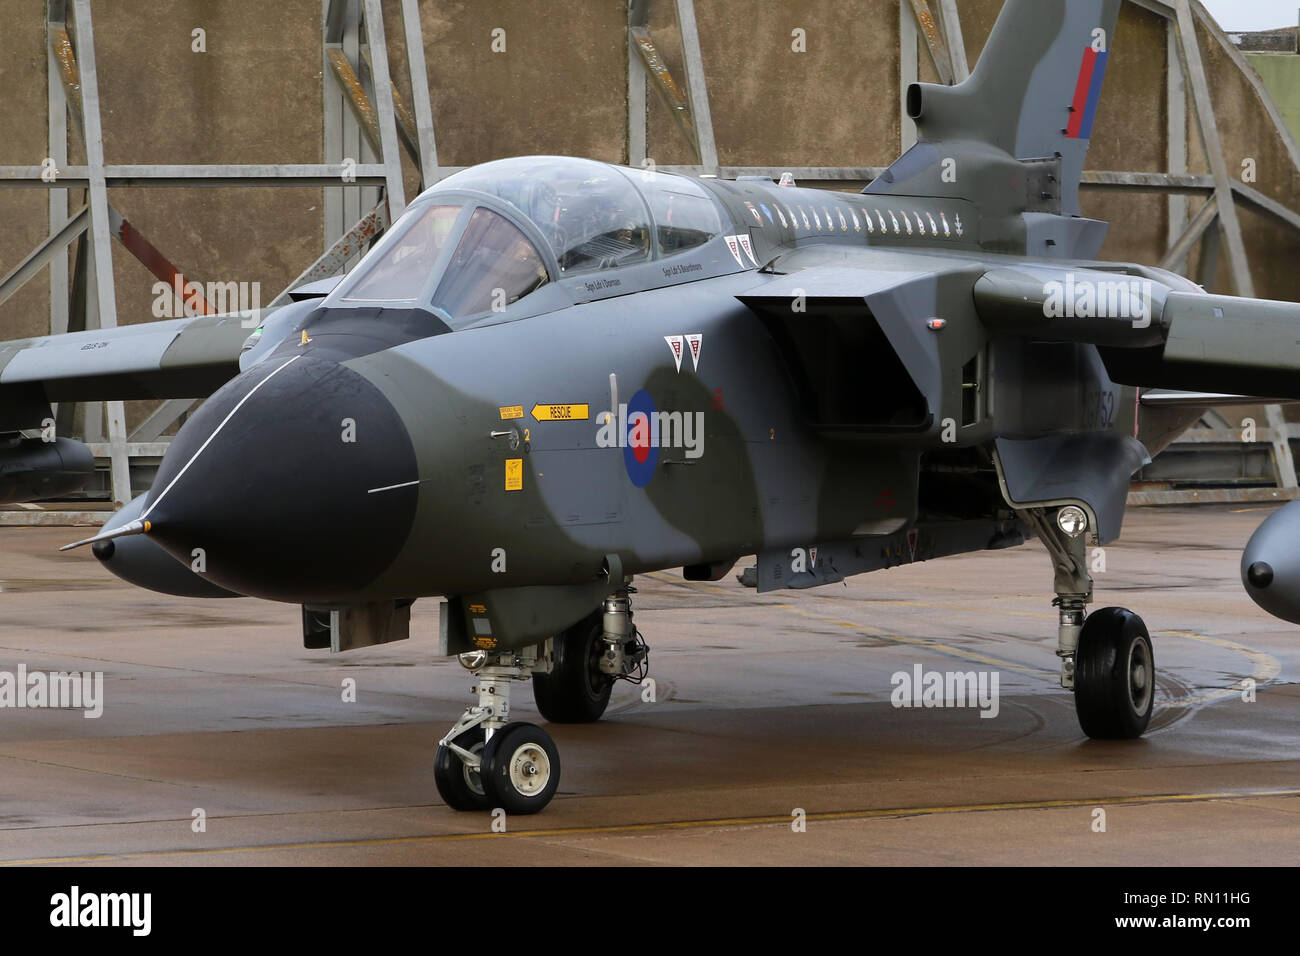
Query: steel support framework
{"points": [[366, 127]]}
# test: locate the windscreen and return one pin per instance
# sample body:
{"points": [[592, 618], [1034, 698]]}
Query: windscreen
{"points": [[494, 265], [401, 265]]}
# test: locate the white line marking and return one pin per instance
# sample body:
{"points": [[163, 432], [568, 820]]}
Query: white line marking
{"points": [[405, 484], [238, 405]]}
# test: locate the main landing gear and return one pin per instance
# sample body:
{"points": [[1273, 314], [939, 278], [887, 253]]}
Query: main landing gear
{"points": [[1114, 675], [487, 761], [1106, 656]]}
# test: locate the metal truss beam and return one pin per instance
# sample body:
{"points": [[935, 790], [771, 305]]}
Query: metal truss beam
{"points": [[106, 293], [935, 42], [1194, 69], [697, 91], [346, 248], [1175, 259], [171, 176]]}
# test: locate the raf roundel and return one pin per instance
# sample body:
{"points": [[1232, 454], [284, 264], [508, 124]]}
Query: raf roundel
{"points": [[640, 453]]}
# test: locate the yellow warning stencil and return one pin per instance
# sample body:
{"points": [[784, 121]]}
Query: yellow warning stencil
{"points": [[514, 474], [561, 413], [511, 411]]}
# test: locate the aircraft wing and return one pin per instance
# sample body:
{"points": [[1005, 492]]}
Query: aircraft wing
{"points": [[173, 358], [1153, 330]]}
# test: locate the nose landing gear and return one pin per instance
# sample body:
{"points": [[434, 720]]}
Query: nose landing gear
{"points": [[485, 761]]}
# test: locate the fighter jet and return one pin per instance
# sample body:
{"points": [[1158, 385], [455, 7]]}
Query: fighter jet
{"points": [[553, 374]]}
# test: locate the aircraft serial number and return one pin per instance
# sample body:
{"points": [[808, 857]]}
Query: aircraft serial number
{"points": [[1099, 408]]}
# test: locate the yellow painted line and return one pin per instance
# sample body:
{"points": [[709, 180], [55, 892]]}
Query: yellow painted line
{"points": [[1267, 668], [666, 826]]}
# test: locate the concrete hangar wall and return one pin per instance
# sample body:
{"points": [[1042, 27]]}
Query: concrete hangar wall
{"points": [[259, 94]]}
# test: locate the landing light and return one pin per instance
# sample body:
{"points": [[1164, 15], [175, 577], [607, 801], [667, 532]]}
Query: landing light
{"points": [[1072, 520], [472, 660]]}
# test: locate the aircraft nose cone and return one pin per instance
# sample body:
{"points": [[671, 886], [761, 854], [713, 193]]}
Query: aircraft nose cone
{"points": [[296, 481], [1270, 565]]}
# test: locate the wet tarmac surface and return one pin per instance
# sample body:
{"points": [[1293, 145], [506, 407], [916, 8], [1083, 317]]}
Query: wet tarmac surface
{"points": [[764, 706]]}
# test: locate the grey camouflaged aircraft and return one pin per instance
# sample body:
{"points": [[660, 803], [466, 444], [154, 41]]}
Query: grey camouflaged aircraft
{"points": [[553, 374]]}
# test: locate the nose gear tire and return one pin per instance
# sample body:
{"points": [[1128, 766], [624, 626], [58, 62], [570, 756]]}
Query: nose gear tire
{"points": [[521, 769]]}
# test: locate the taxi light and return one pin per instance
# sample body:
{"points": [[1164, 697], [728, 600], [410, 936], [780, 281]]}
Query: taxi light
{"points": [[1072, 520]]}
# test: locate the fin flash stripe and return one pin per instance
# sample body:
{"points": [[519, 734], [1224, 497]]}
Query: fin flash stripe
{"points": [[1087, 93]]}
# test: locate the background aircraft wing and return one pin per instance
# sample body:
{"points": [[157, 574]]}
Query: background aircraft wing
{"points": [[173, 358]]}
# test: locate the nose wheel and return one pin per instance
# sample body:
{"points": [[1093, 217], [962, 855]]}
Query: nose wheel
{"points": [[460, 783], [1114, 675], [521, 768]]}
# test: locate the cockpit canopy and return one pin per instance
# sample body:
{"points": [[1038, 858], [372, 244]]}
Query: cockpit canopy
{"points": [[591, 216], [594, 215]]}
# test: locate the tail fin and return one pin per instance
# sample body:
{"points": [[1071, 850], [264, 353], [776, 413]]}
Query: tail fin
{"points": [[1032, 96]]}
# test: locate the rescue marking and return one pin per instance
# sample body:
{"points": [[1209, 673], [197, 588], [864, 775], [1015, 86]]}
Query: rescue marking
{"points": [[561, 413]]}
